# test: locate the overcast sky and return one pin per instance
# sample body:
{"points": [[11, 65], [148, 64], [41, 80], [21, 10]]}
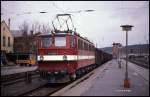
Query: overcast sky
{"points": [[101, 26]]}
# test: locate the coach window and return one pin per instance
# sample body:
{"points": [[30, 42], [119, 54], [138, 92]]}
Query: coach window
{"points": [[47, 42], [60, 41]]}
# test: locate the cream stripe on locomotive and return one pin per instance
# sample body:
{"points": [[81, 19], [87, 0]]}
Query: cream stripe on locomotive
{"points": [[62, 57]]}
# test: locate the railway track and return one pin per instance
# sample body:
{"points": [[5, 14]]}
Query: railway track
{"points": [[41, 90], [141, 63], [19, 77], [49, 89], [45, 90], [19, 80]]}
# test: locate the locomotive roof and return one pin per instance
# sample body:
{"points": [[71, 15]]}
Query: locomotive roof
{"points": [[62, 34], [50, 34], [84, 38]]}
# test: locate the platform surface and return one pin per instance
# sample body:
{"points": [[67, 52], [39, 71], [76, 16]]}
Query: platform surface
{"points": [[16, 69], [108, 79]]}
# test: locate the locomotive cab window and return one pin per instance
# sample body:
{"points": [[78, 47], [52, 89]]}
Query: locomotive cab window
{"points": [[60, 41], [46, 42]]}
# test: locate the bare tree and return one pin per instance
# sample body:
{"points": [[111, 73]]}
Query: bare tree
{"points": [[24, 27], [35, 27], [43, 28], [46, 28]]}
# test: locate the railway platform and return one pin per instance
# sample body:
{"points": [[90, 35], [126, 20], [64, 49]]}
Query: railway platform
{"points": [[108, 80], [16, 69]]}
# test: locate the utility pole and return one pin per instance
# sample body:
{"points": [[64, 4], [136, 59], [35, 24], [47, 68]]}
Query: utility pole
{"points": [[126, 80]]}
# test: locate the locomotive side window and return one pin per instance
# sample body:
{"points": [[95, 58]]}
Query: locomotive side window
{"points": [[60, 41], [73, 41], [80, 44], [84, 46], [46, 42], [89, 47], [92, 48]]}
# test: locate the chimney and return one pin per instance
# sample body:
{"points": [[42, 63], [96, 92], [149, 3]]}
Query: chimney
{"points": [[31, 32], [9, 23]]}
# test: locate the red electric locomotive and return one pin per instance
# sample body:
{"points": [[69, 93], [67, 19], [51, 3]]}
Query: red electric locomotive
{"points": [[63, 55]]}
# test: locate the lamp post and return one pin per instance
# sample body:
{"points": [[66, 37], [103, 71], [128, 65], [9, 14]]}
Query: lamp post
{"points": [[126, 80]]}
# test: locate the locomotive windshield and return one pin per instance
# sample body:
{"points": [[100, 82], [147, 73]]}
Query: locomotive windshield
{"points": [[60, 41], [46, 42]]}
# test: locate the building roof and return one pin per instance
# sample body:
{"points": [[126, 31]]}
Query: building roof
{"points": [[3, 22], [17, 33]]}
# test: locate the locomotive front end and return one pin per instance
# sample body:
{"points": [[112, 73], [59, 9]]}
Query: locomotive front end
{"points": [[57, 57]]}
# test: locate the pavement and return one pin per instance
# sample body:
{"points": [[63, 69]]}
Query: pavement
{"points": [[16, 69], [108, 79]]}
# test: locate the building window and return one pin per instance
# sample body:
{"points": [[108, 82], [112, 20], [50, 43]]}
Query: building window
{"points": [[4, 29], [4, 40], [8, 41]]}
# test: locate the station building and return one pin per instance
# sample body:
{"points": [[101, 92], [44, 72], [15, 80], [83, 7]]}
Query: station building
{"points": [[116, 50], [7, 39]]}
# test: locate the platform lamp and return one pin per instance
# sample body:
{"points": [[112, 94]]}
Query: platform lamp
{"points": [[126, 80]]}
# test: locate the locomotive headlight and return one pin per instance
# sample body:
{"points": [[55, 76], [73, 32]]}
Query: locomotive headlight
{"points": [[41, 58], [64, 57], [56, 72]]}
